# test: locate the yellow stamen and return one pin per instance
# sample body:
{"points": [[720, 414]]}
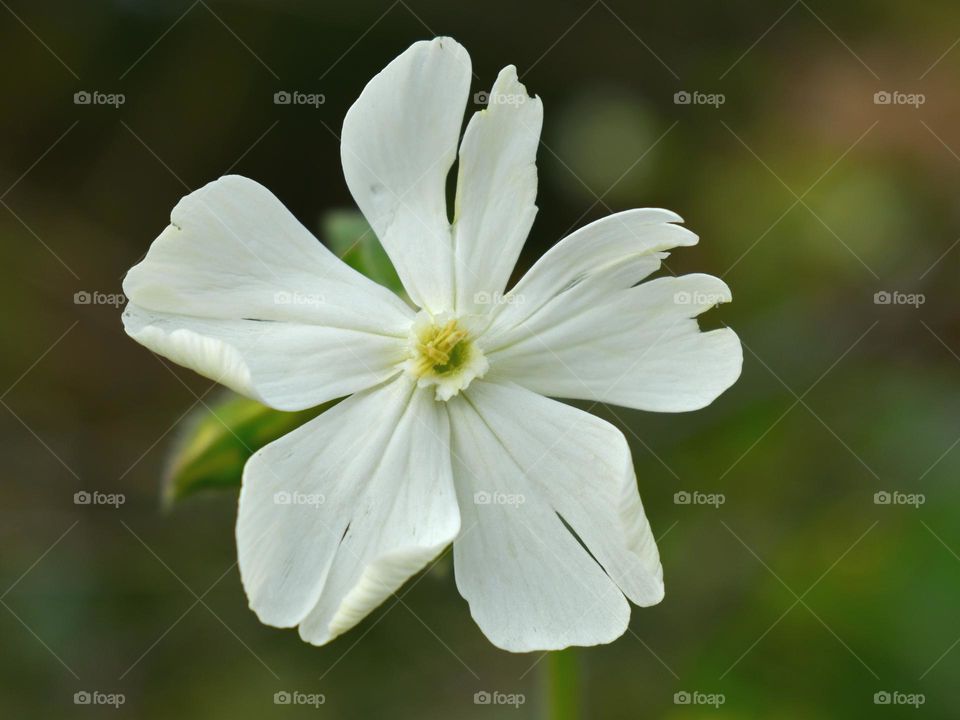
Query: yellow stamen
{"points": [[435, 352], [443, 353]]}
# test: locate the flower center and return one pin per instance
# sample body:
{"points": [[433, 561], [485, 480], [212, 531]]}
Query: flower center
{"points": [[442, 350], [443, 353]]}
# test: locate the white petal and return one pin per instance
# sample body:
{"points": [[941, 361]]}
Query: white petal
{"points": [[641, 348], [496, 191], [377, 467], [521, 463], [577, 324], [238, 290], [593, 263], [398, 144], [583, 467]]}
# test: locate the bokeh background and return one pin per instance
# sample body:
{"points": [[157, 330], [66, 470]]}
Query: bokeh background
{"points": [[799, 597]]}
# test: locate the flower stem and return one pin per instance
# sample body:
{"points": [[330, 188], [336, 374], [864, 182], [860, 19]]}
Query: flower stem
{"points": [[561, 685]]}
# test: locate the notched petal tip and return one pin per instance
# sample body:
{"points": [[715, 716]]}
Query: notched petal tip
{"points": [[509, 92], [669, 216]]}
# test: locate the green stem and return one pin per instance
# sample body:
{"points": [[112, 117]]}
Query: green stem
{"points": [[561, 681]]}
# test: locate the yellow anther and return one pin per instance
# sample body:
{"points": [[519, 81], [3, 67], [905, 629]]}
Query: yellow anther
{"points": [[444, 353], [435, 350]]}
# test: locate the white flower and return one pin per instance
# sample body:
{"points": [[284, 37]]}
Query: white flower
{"points": [[446, 435]]}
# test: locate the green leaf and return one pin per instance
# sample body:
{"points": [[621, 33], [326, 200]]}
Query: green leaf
{"points": [[216, 441], [350, 237]]}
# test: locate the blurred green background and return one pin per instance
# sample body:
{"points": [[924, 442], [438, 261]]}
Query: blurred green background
{"points": [[798, 597]]}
